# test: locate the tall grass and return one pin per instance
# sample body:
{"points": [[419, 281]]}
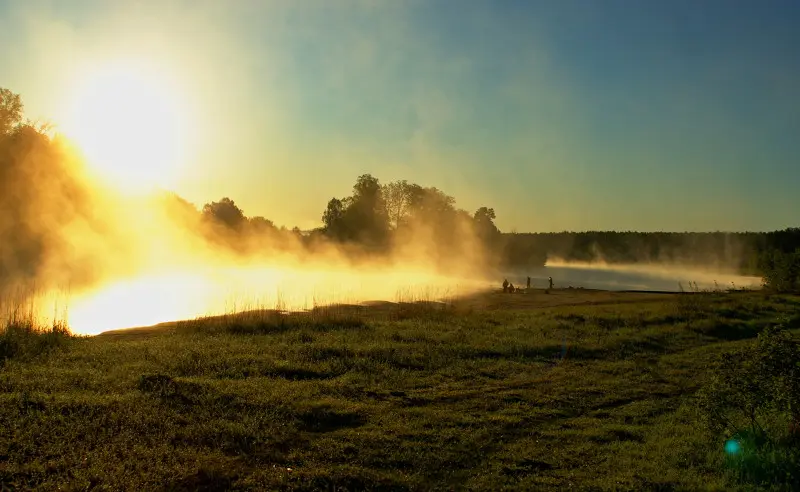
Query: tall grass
{"points": [[24, 331], [21, 337]]}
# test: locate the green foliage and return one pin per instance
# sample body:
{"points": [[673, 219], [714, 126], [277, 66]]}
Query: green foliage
{"points": [[224, 213], [520, 253], [376, 216], [10, 111], [484, 225], [261, 225], [781, 270], [399, 197], [360, 218], [333, 218], [753, 400]]}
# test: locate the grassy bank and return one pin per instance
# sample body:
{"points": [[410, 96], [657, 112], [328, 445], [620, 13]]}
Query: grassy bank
{"points": [[590, 390]]}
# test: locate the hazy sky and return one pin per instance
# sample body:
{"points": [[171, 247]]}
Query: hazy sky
{"points": [[562, 115]]}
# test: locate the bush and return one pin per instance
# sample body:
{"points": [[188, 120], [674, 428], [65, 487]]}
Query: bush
{"points": [[753, 401], [781, 270]]}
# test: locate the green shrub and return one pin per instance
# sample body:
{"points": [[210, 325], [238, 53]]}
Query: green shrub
{"points": [[751, 406], [781, 270]]}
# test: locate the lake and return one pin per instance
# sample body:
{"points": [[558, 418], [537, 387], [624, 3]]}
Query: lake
{"points": [[631, 277]]}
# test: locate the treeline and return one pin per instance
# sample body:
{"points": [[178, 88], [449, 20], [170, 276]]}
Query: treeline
{"points": [[737, 251], [398, 220]]}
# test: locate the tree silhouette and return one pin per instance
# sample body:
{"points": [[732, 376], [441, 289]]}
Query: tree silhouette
{"points": [[10, 111], [360, 218], [261, 225], [366, 213], [224, 212], [484, 224], [397, 197], [333, 218]]}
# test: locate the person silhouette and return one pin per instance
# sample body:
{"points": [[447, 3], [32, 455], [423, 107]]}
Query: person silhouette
{"points": [[551, 281], [529, 283], [505, 285]]}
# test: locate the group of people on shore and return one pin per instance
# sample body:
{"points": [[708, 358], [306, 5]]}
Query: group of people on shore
{"points": [[508, 287]]}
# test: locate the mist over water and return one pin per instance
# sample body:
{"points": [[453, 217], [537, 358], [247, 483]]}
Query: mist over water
{"points": [[665, 278]]}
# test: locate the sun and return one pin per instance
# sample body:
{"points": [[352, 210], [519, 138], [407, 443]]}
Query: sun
{"points": [[130, 124]]}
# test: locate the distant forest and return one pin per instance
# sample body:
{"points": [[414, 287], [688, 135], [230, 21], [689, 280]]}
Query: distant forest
{"points": [[43, 206], [740, 252]]}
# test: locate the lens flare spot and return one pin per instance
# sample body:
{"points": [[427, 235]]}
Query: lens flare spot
{"points": [[732, 446]]}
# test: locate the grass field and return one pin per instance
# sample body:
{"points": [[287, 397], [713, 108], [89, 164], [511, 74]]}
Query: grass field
{"points": [[573, 389]]}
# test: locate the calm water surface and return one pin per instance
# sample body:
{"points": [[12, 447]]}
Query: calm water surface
{"points": [[631, 278]]}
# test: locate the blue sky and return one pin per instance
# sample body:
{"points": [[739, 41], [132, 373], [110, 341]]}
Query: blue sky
{"points": [[568, 115]]}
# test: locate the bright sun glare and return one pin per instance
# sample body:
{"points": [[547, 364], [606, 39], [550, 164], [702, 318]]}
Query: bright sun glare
{"points": [[130, 125]]}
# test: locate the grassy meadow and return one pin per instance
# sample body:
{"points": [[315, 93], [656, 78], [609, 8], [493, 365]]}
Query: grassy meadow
{"points": [[573, 389]]}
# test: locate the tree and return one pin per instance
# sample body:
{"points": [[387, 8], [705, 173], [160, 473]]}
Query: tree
{"points": [[261, 225], [484, 219], [367, 211], [368, 199], [431, 205], [398, 197], [484, 214], [10, 110], [781, 270], [361, 217], [367, 188], [333, 217], [224, 212]]}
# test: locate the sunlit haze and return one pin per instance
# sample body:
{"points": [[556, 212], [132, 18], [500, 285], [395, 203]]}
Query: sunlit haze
{"points": [[129, 123], [508, 116], [561, 115]]}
